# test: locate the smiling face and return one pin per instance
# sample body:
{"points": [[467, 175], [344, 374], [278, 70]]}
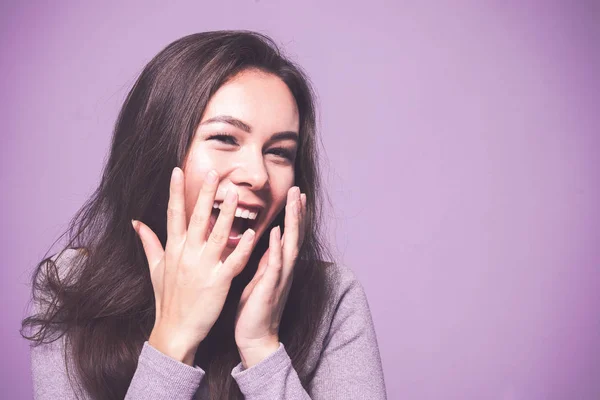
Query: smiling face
{"points": [[248, 134]]}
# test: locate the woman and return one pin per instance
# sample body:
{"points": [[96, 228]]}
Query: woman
{"points": [[219, 291]]}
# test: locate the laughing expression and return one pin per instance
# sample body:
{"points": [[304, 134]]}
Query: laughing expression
{"points": [[249, 135]]}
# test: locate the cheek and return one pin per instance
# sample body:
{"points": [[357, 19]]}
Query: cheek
{"points": [[196, 167], [281, 182]]}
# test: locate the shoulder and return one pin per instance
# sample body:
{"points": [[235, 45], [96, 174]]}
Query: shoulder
{"points": [[343, 283], [52, 274], [347, 320], [64, 262], [65, 258], [347, 306], [339, 273], [51, 358]]}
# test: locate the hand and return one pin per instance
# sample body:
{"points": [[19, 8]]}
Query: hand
{"points": [[190, 281], [263, 300]]}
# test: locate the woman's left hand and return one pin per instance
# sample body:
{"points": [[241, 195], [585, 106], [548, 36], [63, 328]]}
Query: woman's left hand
{"points": [[263, 300]]}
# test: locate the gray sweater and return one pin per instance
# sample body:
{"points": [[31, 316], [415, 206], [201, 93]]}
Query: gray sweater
{"points": [[344, 359]]}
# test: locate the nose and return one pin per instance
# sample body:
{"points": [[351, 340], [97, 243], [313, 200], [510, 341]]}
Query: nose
{"points": [[250, 171]]}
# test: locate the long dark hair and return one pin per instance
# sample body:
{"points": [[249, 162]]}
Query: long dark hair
{"points": [[105, 306]]}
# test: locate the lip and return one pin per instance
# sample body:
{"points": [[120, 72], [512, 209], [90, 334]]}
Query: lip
{"points": [[232, 243], [250, 206]]}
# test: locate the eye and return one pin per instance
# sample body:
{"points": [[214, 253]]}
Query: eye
{"points": [[283, 153], [224, 138]]}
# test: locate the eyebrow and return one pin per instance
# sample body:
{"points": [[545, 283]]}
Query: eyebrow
{"points": [[227, 119]]}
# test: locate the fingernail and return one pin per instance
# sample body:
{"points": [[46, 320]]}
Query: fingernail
{"points": [[294, 193], [135, 225], [211, 177], [231, 195], [176, 175], [249, 234]]}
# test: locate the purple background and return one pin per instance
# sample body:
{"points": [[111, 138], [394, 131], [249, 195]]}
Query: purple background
{"points": [[462, 145]]}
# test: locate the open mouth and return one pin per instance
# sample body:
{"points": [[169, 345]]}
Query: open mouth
{"points": [[244, 219]]}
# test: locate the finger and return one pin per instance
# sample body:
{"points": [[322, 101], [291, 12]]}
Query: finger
{"points": [[176, 221], [302, 219], [272, 275], [262, 265], [292, 229], [220, 233], [152, 246], [200, 218], [237, 260]]}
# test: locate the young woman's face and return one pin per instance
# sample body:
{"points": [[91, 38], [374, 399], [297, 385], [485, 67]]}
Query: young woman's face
{"points": [[248, 134]]}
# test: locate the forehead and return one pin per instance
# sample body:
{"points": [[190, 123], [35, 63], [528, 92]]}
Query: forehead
{"points": [[260, 99]]}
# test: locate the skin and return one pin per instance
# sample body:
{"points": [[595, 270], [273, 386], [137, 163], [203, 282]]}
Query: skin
{"points": [[195, 270], [254, 166]]}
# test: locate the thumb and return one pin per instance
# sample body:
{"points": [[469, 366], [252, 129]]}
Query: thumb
{"points": [[150, 242]]}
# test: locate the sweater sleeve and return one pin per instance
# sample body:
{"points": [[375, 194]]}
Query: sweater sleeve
{"points": [[349, 366], [157, 375]]}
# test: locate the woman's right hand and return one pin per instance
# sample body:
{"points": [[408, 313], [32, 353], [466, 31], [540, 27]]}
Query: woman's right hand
{"points": [[190, 281]]}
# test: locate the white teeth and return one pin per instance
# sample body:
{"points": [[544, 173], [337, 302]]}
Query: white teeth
{"points": [[239, 212]]}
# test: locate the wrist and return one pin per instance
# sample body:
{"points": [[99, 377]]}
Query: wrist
{"points": [[178, 350], [253, 355]]}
